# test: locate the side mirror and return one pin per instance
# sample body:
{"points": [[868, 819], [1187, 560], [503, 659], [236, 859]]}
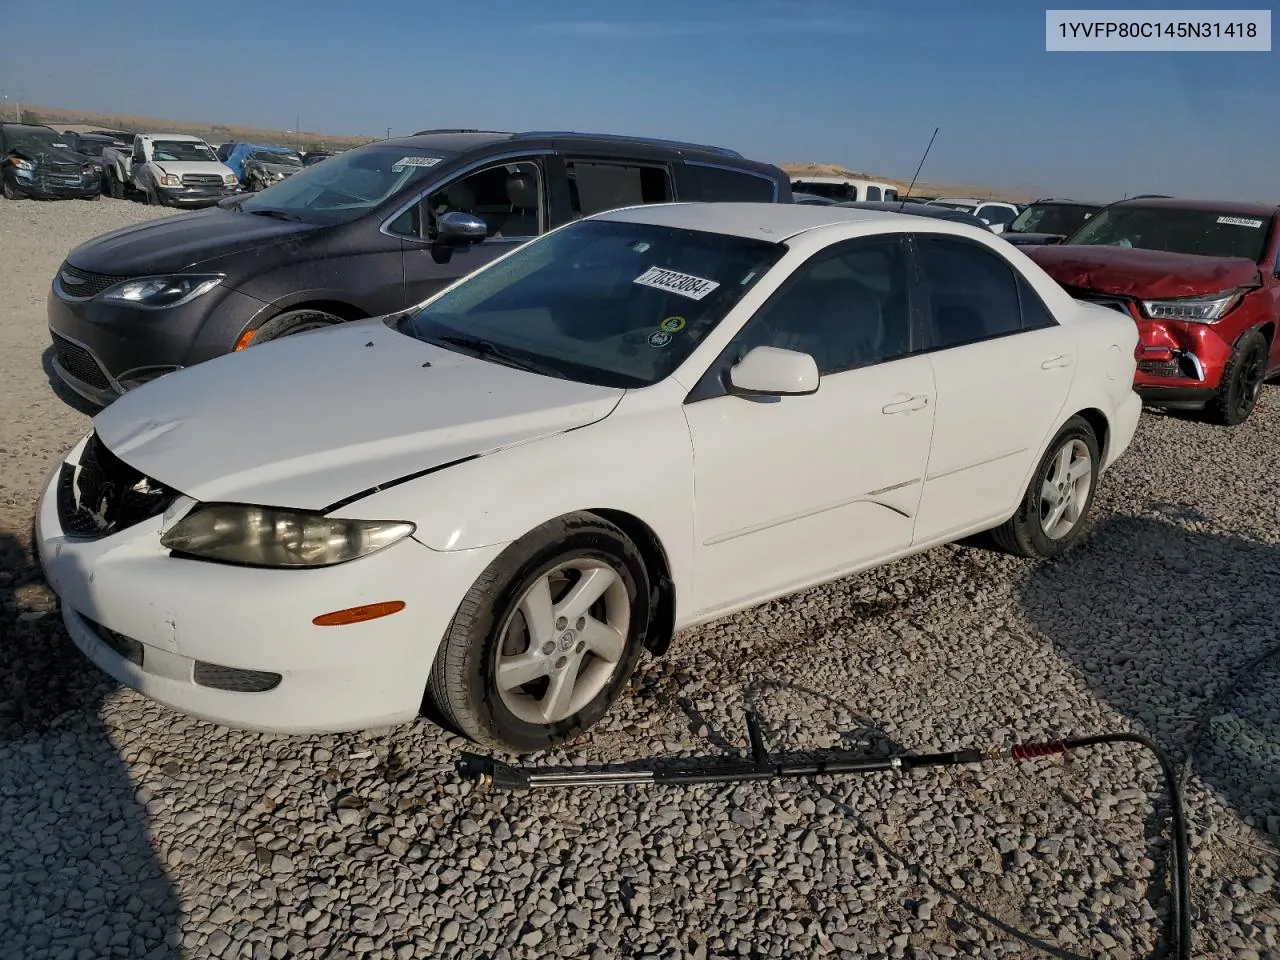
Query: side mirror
{"points": [[772, 371], [459, 229]]}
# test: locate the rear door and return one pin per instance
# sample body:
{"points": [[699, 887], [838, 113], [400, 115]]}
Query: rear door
{"points": [[509, 194], [1003, 367]]}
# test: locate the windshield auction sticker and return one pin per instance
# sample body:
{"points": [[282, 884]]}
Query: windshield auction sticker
{"points": [[685, 284], [414, 162], [1240, 222]]}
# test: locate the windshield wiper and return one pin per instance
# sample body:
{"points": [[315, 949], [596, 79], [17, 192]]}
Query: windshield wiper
{"points": [[278, 214], [488, 350]]}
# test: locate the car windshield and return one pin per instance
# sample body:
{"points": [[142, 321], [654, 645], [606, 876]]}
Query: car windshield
{"points": [[274, 156], [34, 139], [1063, 218], [1206, 233], [174, 150], [603, 302], [346, 186]]}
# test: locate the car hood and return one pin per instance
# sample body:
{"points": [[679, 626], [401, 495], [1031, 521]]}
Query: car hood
{"points": [[216, 167], [51, 155], [181, 242], [1142, 273], [319, 418], [1032, 239], [284, 169]]}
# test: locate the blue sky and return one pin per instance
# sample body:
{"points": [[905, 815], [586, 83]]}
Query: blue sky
{"points": [[861, 84]]}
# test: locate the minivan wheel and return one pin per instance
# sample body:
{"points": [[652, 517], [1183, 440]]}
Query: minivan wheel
{"points": [[291, 322], [1242, 380], [547, 637], [1055, 508]]}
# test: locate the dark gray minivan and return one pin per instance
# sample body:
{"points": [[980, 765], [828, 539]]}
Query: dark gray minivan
{"points": [[368, 232]]}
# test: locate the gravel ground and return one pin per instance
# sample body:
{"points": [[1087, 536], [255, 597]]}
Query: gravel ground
{"points": [[129, 831]]}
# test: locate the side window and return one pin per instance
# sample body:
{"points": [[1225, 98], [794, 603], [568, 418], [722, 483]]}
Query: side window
{"points": [[971, 293], [890, 193], [873, 193], [1035, 315], [508, 197], [847, 309], [715, 183], [138, 155], [596, 187], [997, 214]]}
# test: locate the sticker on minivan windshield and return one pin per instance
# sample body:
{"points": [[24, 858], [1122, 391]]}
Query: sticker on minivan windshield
{"points": [[414, 162], [685, 284], [1240, 221]]}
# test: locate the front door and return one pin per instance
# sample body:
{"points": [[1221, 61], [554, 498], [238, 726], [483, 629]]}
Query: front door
{"points": [[791, 490], [1003, 368], [509, 195]]}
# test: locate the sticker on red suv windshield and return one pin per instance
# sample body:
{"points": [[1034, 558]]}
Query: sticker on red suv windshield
{"points": [[685, 284], [1240, 221]]}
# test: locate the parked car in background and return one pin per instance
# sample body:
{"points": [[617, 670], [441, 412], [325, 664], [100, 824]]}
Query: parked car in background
{"points": [[996, 214], [812, 199], [845, 188], [362, 234], [171, 169], [92, 144], [485, 444], [40, 163], [223, 150], [1200, 280], [312, 157], [259, 166], [1049, 221], [921, 210]]}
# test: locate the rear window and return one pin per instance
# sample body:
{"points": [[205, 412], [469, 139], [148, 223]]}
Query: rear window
{"points": [[832, 191], [1206, 233], [716, 183]]}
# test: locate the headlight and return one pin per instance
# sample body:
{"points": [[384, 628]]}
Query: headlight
{"points": [[268, 537], [170, 180], [277, 175], [1193, 309], [162, 291], [95, 167], [229, 179], [22, 164]]}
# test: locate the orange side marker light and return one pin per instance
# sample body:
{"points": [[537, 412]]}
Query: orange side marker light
{"points": [[246, 338], [370, 611]]}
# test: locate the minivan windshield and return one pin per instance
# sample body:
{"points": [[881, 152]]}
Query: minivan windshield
{"points": [[346, 186], [603, 302], [1056, 218], [1206, 233]]}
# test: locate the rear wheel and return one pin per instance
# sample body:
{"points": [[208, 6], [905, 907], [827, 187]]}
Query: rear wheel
{"points": [[291, 322], [546, 638], [1055, 508], [115, 186], [1242, 380]]}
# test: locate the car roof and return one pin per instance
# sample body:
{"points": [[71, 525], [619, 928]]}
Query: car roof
{"points": [[171, 136], [28, 126], [774, 222], [457, 140], [1242, 208]]}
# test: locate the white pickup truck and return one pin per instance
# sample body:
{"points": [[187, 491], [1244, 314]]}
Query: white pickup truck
{"points": [[169, 168]]}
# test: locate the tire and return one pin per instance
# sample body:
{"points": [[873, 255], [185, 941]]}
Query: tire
{"points": [[1032, 530], [491, 626], [7, 188], [291, 322], [1242, 379], [115, 187]]}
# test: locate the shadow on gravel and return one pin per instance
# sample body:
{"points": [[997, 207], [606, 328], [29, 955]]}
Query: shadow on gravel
{"points": [[78, 877], [62, 391], [1162, 620]]}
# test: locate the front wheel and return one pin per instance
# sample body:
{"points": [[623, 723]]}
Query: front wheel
{"points": [[547, 637], [1055, 508], [115, 187], [10, 193], [291, 322], [1242, 380]]}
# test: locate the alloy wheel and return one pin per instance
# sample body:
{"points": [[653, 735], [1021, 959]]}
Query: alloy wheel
{"points": [[563, 642], [1065, 490]]}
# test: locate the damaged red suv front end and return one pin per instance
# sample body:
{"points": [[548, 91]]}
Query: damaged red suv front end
{"points": [[1207, 320]]}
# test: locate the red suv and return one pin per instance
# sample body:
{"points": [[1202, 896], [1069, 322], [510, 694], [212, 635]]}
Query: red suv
{"points": [[1202, 283]]}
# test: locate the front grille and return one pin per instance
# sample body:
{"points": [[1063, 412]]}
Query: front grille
{"points": [[127, 647], [201, 180], [83, 284], [103, 495], [79, 362], [233, 679], [1179, 367]]}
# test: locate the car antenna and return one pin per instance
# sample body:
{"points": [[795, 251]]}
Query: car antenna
{"points": [[911, 185]]}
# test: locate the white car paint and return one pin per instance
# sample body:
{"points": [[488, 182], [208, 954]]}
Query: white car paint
{"points": [[749, 500]]}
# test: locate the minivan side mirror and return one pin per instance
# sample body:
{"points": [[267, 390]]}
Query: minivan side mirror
{"points": [[773, 372], [457, 229]]}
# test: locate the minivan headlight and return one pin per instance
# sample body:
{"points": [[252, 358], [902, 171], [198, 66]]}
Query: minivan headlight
{"points": [[271, 537], [162, 291]]}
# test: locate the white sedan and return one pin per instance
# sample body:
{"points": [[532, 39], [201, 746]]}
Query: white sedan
{"points": [[644, 420]]}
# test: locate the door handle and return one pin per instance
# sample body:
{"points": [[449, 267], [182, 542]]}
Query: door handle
{"points": [[906, 406], [1061, 360]]}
